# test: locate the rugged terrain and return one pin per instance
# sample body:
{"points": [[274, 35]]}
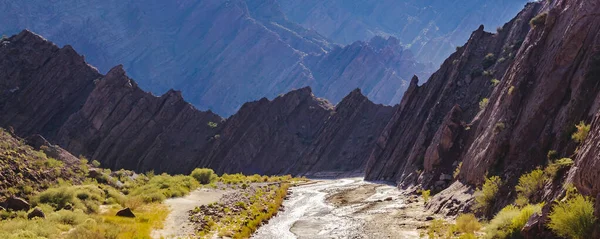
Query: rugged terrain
{"points": [[220, 54], [54, 92], [432, 29]]}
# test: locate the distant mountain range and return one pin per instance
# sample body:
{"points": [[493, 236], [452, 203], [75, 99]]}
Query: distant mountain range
{"points": [[432, 28], [221, 54]]}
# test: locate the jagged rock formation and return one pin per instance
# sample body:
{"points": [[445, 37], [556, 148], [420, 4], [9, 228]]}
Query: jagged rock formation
{"points": [[220, 54], [110, 119], [418, 133], [432, 28], [547, 83]]}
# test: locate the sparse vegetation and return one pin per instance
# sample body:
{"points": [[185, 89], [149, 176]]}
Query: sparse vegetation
{"points": [[483, 103], [529, 185], [538, 20], [510, 90], [485, 197], [499, 127], [204, 175], [573, 218], [555, 166], [488, 60], [457, 170], [582, 132], [426, 194], [467, 223], [212, 124], [495, 82], [509, 221]]}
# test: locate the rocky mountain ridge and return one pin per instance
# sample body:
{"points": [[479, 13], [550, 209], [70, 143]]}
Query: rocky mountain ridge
{"points": [[432, 29], [220, 54], [109, 118]]}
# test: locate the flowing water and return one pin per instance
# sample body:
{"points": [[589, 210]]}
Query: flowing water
{"points": [[308, 214]]}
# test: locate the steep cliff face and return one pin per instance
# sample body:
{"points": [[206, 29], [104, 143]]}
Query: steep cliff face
{"points": [[432, 28], [41, 85], [426, 130], [110, 119], [220, 54]]}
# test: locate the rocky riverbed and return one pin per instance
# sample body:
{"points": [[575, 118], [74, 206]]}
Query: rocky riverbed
{"points": [[347, 208]]}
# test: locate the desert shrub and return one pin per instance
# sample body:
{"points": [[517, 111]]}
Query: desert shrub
{"points": [[509, 221], [212, 124], [483, 103], [426, 194], [484, 197], [467, 223], [511, 89], [488, 60], [581, 133], [529, 185], [457, 170], [555, 166], [499, 127], [95, 163], [502, 59], [573, 218], [163, 186], [552, 155], [488, 73], [538, 20], [495, 82], [84, 197], [204, 175], [67, 217], [439, 228]]}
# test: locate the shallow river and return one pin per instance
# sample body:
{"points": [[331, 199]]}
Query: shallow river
{"points": [[307, 213]]}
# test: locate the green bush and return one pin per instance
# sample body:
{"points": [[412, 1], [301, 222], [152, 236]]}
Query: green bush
{"points": [[552, 155], [552, 169], [581, 133], [161, 187], [483, 103], [509, 221], [573, 218], [84, 197], [484, 197], [495, 82], [529, 185], [488, 60], [538, 20], [212, 124], [467, 223], [426, 194], [204, 175]]}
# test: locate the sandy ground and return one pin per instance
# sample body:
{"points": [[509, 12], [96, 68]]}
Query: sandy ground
{"points": [[347, 208], [177, 224]]}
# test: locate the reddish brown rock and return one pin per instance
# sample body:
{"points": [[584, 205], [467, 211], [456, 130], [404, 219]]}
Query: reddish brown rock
{"points": [[401, 148]]}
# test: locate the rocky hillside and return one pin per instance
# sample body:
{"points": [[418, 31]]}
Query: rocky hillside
{"points": [[432, 28], [220, 54], [109, 118], [503, 105]]}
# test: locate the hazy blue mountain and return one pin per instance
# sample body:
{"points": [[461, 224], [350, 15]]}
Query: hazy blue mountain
{"points": [[220, 54], [433, 28]]}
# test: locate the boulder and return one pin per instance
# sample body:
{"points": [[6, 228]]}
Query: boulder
{"points": [[126, 212], [36, 212], [17, 204]]}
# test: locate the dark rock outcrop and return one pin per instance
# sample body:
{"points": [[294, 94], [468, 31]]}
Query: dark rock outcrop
{"points": [[126, 212], [122, 126], [220, 54], [16, 204], [36, 212]]}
